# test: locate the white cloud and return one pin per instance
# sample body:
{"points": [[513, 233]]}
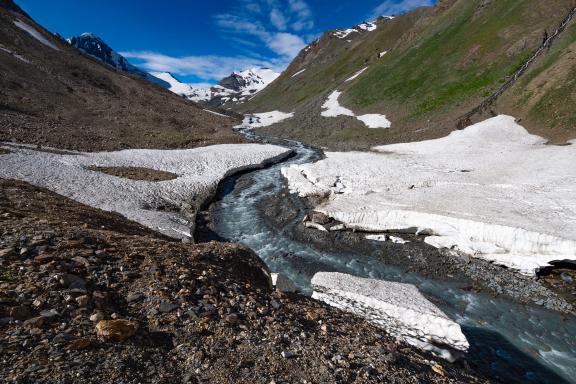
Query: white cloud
{"points": [[286, 44], [204, 67], [283, 26], [396, 7], [277, 19]]}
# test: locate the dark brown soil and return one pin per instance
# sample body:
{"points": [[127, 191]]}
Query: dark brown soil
{"points": [[136, 173], [68, 100], [205, 313]]}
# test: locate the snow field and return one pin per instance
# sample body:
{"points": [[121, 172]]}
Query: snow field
{"points": [[399, 308], [491, 190], [333, 109], [199, 171]]}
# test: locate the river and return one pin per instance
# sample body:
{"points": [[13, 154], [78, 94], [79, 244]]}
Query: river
{"points": [[510, 341]]}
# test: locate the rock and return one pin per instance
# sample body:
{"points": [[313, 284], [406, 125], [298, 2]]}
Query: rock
{"points": [[6, 252], [97, 316], [320, 218], [72, 281], [83, 300], [79, 344], [49, 313], [319, 227], [166, 307], [439, 370], [20, 313], [288, 354], [566, 278], [44, 258], [35, 322], [132, 297], [231, 318], [116, 330], [282, 283], [399, 308]]}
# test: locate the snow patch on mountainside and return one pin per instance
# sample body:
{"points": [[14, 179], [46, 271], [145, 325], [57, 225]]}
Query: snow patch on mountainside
{"points": [[199, 171], [398, 308], [265, 119], [492, 190], [360, 28], [17, 56], [35, 34], [298, 73], [176, 85], [356, 74], [333, 109]]}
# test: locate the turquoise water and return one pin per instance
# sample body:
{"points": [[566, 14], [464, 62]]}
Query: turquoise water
{"points": [[516, 343]]}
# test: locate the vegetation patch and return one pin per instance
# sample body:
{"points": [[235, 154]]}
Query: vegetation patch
{"points": [[136, 173]]}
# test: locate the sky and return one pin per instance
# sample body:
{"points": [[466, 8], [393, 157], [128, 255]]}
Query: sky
{"points": [[202, 41]]}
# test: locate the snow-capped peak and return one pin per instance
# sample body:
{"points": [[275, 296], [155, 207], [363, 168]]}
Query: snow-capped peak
{"points": [[250, 81], [367, 26]]}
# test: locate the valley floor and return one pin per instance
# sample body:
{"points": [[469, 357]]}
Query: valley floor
{"points": [[190, 314]]}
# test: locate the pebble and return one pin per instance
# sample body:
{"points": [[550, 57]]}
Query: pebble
{"points": [[288, 354], [97, 316], [166, 307]]}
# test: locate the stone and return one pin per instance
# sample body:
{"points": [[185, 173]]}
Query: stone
{"points": [[283, 283], [72, 281], [20, 313], [166, 307], [49, 313], [6, 252], [288, 354], [231, 318], [116, 330], [132, 297], [83, 300], [320, 218], [79, 344], [97, 316], [35, 322]]}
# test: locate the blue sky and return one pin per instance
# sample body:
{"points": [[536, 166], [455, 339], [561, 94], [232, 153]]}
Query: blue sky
{"points": [[201, 41]]}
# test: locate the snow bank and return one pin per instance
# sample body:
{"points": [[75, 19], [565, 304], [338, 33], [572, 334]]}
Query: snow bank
{"points": [[399, 308], [258, 120], [199, 171], [35, 34], [298, 73], [19, 57], [216, 113], [356, 74], [394, 239], [491, 190], [332, 109]]}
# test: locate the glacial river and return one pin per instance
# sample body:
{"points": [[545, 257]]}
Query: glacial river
{"points": [[516, 343]]}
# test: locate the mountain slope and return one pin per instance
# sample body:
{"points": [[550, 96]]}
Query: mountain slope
{"points": [[94, 46], [438, 64], [58, 96]]}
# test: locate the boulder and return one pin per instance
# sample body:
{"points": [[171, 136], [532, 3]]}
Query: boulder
{"points": [[283, 283], [398, 308], [116, 330]]}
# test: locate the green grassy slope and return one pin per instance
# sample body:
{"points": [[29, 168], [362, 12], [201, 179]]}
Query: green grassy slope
{"points": [[545, 98], [328, 62], [463, 57]]}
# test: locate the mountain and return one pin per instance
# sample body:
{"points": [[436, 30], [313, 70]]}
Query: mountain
{"points": [[427, 69], [234, 89], [52, 94], [94, 46]]}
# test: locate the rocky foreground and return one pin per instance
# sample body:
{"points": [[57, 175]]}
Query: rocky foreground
{"points": [[87, 296]]}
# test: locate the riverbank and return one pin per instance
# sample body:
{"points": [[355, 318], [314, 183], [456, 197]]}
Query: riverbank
{"points": [[173, 312], [494, 324]]}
